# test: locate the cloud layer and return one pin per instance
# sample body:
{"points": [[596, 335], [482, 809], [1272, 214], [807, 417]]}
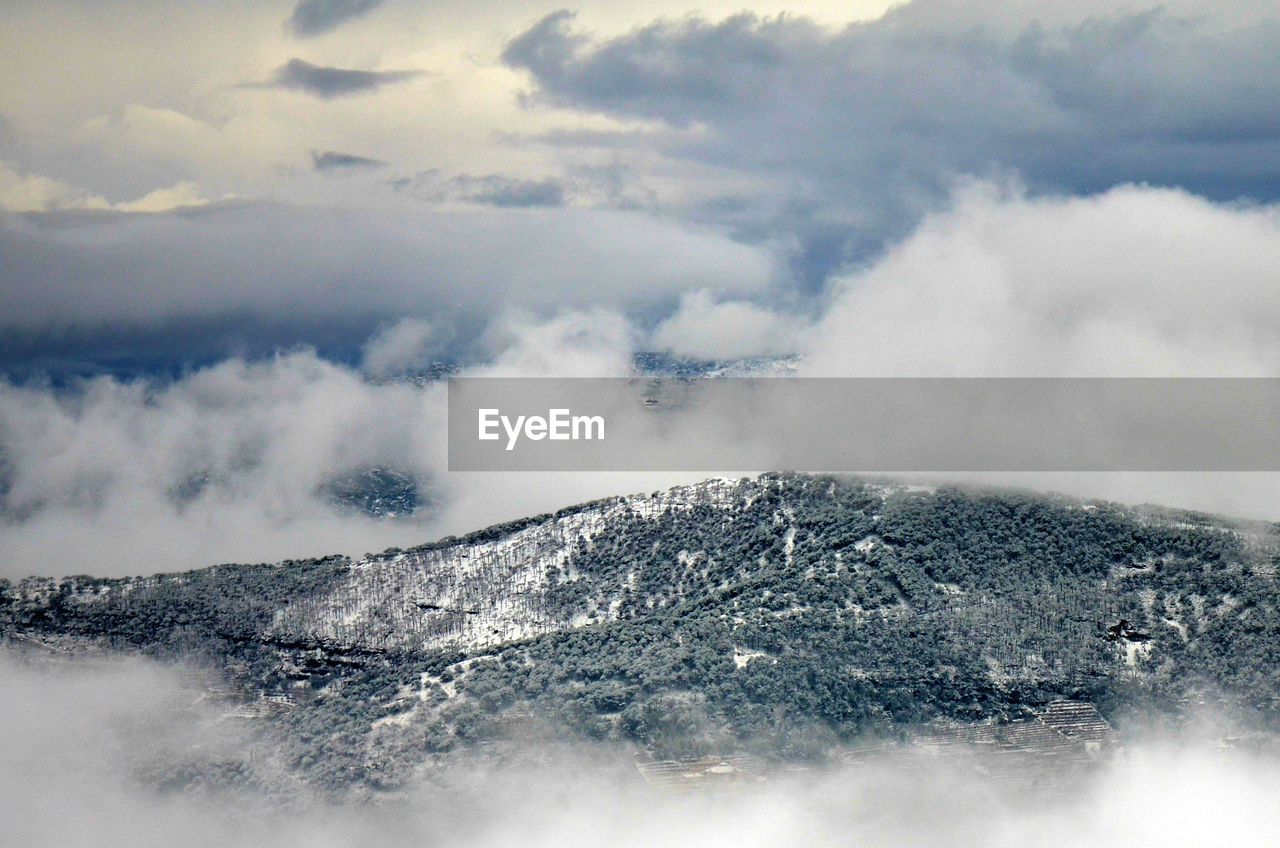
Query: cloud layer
{"points": [[1133, 282], [276, 262]]}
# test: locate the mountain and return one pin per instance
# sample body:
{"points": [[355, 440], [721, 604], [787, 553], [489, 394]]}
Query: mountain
{"points": [[785, 617]]}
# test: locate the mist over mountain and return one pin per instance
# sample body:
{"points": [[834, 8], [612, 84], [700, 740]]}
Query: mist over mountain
{"points": [[788, 619], [116, 753]]}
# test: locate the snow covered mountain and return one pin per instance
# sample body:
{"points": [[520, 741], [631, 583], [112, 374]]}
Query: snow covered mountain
{"points": [[785, 616]]}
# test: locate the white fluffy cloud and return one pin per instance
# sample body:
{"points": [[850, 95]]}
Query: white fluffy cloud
{"points": [[706, 328], [229, 463], [1135, 281], [573, 344], [1132, 282], [225, 464], [399, 348]]}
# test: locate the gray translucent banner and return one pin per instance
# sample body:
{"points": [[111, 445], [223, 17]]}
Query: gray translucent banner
{"points": [[864, 424]]}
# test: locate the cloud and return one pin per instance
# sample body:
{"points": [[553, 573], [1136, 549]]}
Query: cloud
{"points": [[178, 196], [706, 329], [747, 152], [406, 346], [820, 144], [854, 134], [545, 47], [22, 192], [1135, 281], [317, 17], [329, 160], [236, 462], [235, 451], [26, 192], [326, 83], [595, 343], [1132, 282]]}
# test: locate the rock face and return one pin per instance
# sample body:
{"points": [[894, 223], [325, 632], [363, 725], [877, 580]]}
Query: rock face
{"points": [[1122, 629]]}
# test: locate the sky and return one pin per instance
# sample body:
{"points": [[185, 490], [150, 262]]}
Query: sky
{"points": [[227, 229]]}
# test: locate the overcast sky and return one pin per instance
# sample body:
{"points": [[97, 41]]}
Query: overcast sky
{"points": [[270, 207]]}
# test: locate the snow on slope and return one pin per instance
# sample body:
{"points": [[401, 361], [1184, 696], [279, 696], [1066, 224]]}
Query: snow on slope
{"points": [[471, 595]]}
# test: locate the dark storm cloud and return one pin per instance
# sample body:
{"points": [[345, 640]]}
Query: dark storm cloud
{"points": [[489, 190], [863, 129], [326, 82], [505, 192], [330, 160], [676, 72], [316, 17]]}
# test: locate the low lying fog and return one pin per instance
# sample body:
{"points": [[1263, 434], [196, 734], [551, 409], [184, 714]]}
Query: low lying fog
{"points": [[79, 755]]}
